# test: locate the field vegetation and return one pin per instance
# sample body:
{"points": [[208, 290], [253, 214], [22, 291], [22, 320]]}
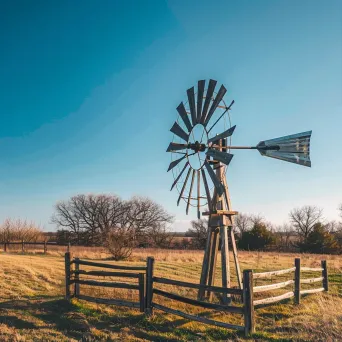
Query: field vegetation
{"points": [[32, 307]]}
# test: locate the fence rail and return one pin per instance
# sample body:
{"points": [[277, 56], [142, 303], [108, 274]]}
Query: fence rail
{"points": [[297, 281], [146, 287]]}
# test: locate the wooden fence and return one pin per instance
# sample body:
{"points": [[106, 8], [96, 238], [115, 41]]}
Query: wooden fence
{"points": [[43, 245], [147, 287], [73, 277], [297, 281]]}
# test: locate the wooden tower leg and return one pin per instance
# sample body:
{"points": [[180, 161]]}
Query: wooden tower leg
{"points": [[236, 260], [212, 265], [225, 261], [205, 264]]}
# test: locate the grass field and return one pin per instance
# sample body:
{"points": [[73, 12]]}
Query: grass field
{"points": [[32, 307]]}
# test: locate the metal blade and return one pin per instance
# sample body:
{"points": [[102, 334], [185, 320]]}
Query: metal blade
{"points": [[206, 187], [223, 135], [179, 176], [175, 162], [184, 185], [184, 115], [176, 129], [293, 148], [200, 92], [191, 98], [217, 183], [189, 198], [223, 157], [215, 103], [208, 96], [176, 147], [198, 193]]}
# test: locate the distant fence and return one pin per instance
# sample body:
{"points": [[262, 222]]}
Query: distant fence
{"points": [[41, 245], [147, 283]]}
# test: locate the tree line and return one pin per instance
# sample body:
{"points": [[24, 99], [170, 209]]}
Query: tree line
{"points": [[306, 231]]}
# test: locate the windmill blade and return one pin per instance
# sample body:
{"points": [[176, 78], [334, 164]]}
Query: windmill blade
{"points": [[217, 183], [216, 102], [176, 147], [198, 193], [190, 192], [184, 185], [223, 135], [176, 129], [206, 187], [184, 115], [221, 116], [209, 95], [293, 148], [191, 98], [175, 162], [179, 176], [200, 92], [223, 157]]}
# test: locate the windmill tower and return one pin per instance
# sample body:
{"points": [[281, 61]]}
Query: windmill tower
{"points": [[201, 146]]}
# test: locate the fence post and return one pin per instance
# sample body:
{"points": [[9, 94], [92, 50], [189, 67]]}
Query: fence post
{"points": [[325, 275], [67, 276], [297, 281], [142, 292], [68, 247], [149, 285], [45, 247], [22, 246], [248, 302], [77, 277], [5, 247]]}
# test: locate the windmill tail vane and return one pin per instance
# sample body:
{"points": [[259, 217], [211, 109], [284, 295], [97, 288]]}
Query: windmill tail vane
{"points": [[293, 148]]}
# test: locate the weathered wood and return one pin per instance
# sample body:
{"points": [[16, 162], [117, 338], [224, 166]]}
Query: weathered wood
{"points": [[67, 275], [110, 301], [76, 278], [149, 286], [225, 261], [310, 269], [226, 308], [5, 247], [272, 273], [45, 247], [274, 299], [311, 280], [142, 291], [236, 259], [22, 246], [264, 288], [117, 267], [297, 281], [197, 318], [325, 275], [197, 286], [212, 263], [220, 212], [248, 302], [312, 291], [205, 264], [108, 284], [107, 273]]}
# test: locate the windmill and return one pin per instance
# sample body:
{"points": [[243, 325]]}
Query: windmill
{"points": [[200, 155]]}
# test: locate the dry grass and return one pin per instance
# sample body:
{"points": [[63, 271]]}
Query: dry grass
{"points": [[32, 308]]}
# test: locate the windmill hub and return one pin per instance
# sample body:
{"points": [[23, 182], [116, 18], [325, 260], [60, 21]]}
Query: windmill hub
{"points": [[197, 147]]}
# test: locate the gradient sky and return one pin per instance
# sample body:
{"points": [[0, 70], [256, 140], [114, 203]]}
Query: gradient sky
{"points": [[89, 91]]}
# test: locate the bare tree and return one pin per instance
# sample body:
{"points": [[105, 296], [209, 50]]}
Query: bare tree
{"points": [[304, 219], [160, 236], [20, 230], [101, 219], [340, 209], [198, 232], [285, 232], [245, 222]]}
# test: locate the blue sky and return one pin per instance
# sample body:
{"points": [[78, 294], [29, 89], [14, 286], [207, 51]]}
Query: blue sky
{"points": [[89, 92]]}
